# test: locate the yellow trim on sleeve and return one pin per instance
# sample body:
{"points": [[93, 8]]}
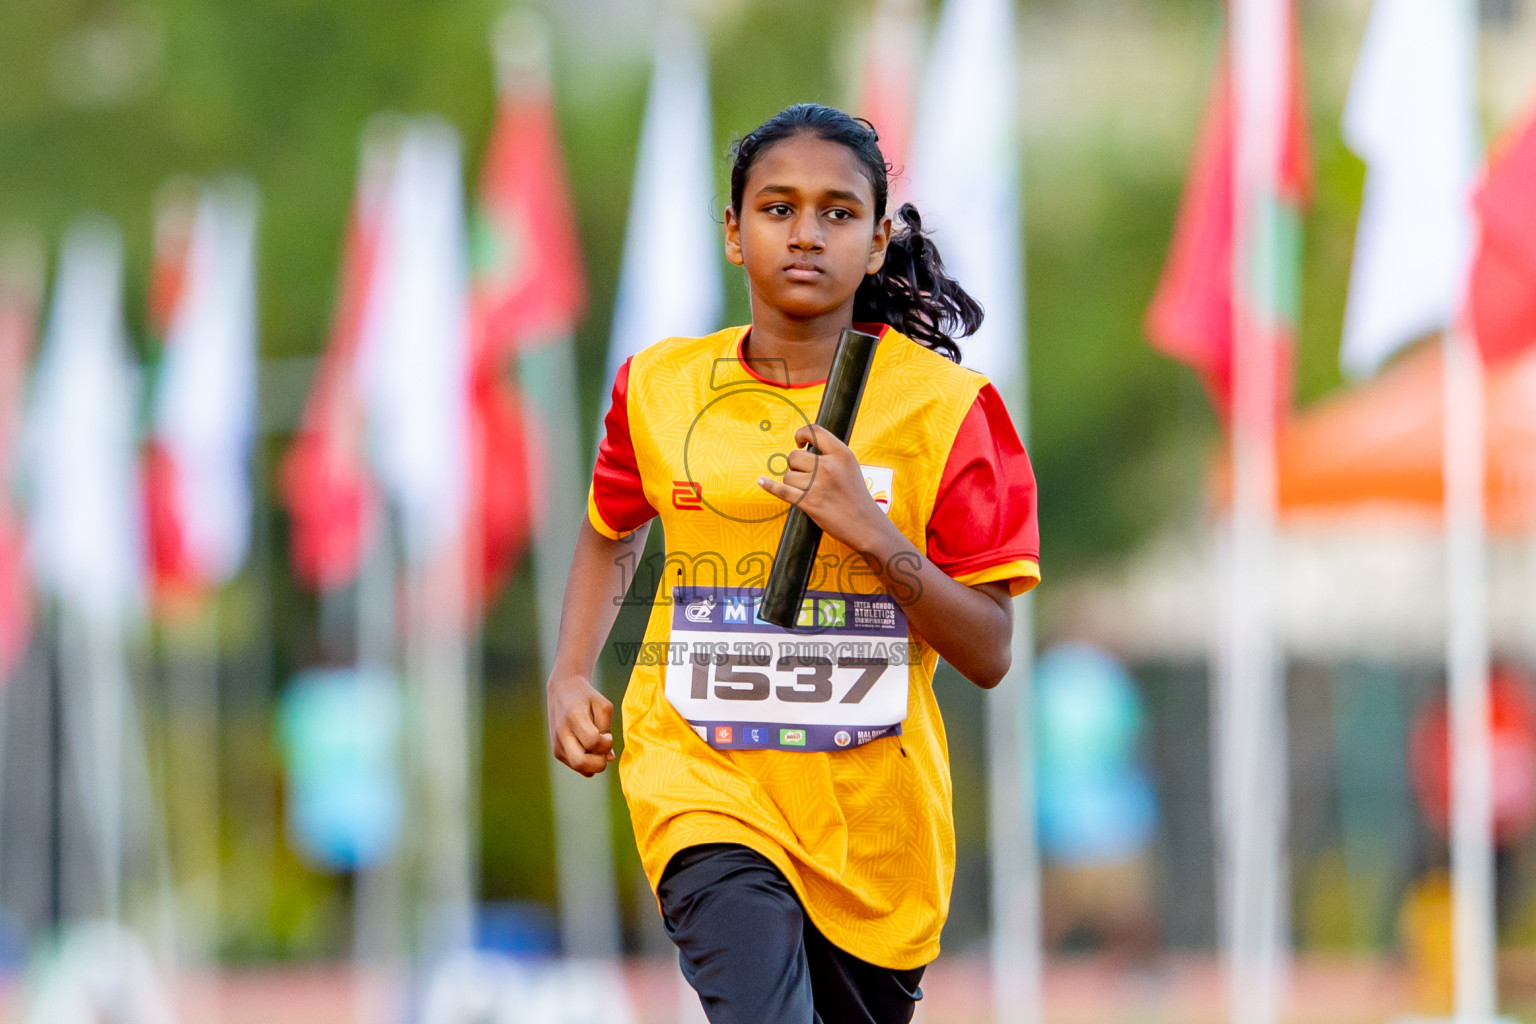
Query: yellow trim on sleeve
{"points": [[596, 518], [1021, 574]]}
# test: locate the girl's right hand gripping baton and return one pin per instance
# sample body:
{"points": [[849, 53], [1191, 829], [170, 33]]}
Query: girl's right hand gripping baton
{"points": [[796, 557]]}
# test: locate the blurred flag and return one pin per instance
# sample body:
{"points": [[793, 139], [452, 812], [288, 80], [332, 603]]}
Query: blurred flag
{"points": [[1191, 314], [325, 481], [21, 288], [413, 351], [85, 516], [965, 176], [887, 88], [529, 289], [203, 307], [529, 284], [1412, 117], [670, 284], [1503, 286]]}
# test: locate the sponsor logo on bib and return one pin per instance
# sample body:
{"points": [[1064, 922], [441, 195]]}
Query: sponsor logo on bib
{"points": [[792, 737], [842, 738]]}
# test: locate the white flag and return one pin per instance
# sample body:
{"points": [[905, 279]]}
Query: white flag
{"points": [[413, 356], [81, 454], [205, 402], [670, 283], [965, 176], [1411, 116]]}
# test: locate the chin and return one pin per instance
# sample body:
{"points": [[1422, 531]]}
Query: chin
{"points": [[803, 307]]}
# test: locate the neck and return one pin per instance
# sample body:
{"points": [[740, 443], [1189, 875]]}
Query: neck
{"points": [[791, 350]]}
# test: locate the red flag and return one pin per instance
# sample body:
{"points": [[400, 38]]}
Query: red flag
{"points": [[1502, 292], [325, 481], [527, 259], [175, 578], [529, 287], [202, 309], [20, 293], [1191, 314]]}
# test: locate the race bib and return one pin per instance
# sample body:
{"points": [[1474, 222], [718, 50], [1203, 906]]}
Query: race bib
{"points": [[837, 680]]}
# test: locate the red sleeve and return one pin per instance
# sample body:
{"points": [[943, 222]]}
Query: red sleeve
{"points": [[616, 504], [984, 526]]}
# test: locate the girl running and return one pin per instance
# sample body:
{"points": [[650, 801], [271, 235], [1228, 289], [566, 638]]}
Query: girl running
{"points": [[790, 790]]}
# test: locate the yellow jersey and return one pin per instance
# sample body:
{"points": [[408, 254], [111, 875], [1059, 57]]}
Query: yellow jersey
{"points": [[865, 835]]}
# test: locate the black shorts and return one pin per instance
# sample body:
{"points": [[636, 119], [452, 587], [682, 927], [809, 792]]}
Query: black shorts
{"points": [[749, 950]]}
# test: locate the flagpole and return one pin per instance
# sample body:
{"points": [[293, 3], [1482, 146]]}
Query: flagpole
{"points": [[546, 377], [1467, 665], [437, 666], [589, 899], [378, 896], [1254, 853], [191, 667], [95, 686], [1474, 925]]}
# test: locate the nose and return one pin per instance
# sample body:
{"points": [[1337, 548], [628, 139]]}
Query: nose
{"points": [[805, 232]]}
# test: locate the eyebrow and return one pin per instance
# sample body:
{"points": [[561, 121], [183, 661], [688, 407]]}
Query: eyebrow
{"points": [[841, 195]]}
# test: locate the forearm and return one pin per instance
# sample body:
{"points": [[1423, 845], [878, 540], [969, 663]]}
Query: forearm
{"points": [[580, 718], [593, 594], [970, 627]]}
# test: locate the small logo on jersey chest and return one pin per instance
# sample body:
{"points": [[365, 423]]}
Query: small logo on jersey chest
{"points": [[687, 495], [881, 483]]}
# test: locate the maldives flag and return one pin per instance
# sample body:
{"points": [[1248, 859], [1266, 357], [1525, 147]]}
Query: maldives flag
{"points": [[21, 286], [1503, 287], [1191, 314], [325, 482], [528, 281], [529, 290], [202, 306]]}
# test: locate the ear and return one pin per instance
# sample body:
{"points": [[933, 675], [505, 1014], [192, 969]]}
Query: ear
{"points": [[877, 246], [733, 238]]}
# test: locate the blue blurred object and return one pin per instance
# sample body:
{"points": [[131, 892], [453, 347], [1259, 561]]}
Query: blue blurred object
{"points": [[340, 733], [517, 928], [1096, 802]]}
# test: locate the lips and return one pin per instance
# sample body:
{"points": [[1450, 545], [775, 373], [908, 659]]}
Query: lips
{"points": [[803, 270]]}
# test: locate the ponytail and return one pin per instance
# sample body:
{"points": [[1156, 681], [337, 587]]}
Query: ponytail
{"points": [[911, 292]]}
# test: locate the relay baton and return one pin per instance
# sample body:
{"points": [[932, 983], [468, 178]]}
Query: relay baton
{"points": [[796, 557]]}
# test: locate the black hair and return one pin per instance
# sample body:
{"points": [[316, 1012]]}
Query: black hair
{"points": [[911, 291]]}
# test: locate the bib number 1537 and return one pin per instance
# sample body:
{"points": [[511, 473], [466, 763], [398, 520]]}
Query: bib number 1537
{"points": [[795, 679]]}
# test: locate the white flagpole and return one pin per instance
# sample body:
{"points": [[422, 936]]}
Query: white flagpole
{"points": [[965, 180], [546, 373], [1254, 852], [589, 898], [1474, 927], [1467, 661], [378, 899]]}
